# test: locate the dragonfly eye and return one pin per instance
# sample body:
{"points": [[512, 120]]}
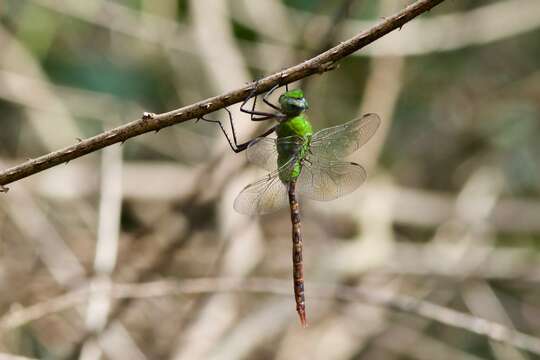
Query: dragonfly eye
{"points": [[293, 102]]}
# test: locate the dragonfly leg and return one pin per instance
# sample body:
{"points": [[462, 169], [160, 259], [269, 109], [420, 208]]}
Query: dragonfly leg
{"points": [[256, 115], [267, 95], [234, 142], [260, 115], [222, 130]]}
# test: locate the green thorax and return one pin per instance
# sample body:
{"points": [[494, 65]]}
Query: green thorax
{"points": [[296, 126]]}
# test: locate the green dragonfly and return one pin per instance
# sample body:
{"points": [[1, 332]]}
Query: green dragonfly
{"points": [[299, 162]]}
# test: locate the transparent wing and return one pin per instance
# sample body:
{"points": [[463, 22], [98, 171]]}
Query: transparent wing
{"points": [[340, 141], [326, 180], [262, 197], [263, 151], [266, 195]]}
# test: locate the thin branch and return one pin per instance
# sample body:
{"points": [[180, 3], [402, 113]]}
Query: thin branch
{"points": [[154, 122], [391, 300]]}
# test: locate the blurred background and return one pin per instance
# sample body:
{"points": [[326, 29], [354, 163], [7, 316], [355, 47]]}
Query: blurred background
{"points": [[450, 213]]}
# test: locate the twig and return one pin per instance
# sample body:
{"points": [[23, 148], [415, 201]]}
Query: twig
{"points": [[6, 356], [398, 302], [154, 122]]}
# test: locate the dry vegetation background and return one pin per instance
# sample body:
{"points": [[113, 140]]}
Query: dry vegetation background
{"points": [[450, 213]]}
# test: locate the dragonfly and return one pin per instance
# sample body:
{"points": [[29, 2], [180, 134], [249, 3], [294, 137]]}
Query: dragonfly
{"points": [[301, 162]]}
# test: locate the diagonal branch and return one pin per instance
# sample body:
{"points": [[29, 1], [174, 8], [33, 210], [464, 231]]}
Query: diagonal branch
{"points": [[154, 122]]}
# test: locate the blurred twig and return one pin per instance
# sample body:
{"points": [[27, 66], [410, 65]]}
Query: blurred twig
{"points": [[329, 36], [154, 122], [173, 182], [27, 91], [106, 249], [448, 32], [214, 35], [15, 57], [4, 356], [341, 14], [482, 300], [398, 302], [53, 249], [406, 341]]}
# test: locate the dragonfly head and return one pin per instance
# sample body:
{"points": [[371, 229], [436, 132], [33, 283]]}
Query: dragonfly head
{"points": [[293, 102]]}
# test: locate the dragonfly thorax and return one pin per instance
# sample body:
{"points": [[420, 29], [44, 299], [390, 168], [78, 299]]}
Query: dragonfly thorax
{"points": [[295, 126], [297, 129], [298, 132]]}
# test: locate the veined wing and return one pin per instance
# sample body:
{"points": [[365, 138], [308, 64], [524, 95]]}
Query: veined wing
{"points": [[326, 180], [262, 197], [266, 195], [337, 142], [263, 151]]}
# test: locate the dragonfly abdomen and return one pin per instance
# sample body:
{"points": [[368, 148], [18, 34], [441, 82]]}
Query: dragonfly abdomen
{"points": [[298, 264], [289, 173]]}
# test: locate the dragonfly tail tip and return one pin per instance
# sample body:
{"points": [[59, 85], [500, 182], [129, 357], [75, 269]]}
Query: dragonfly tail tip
{"points": [[303, 319]]}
